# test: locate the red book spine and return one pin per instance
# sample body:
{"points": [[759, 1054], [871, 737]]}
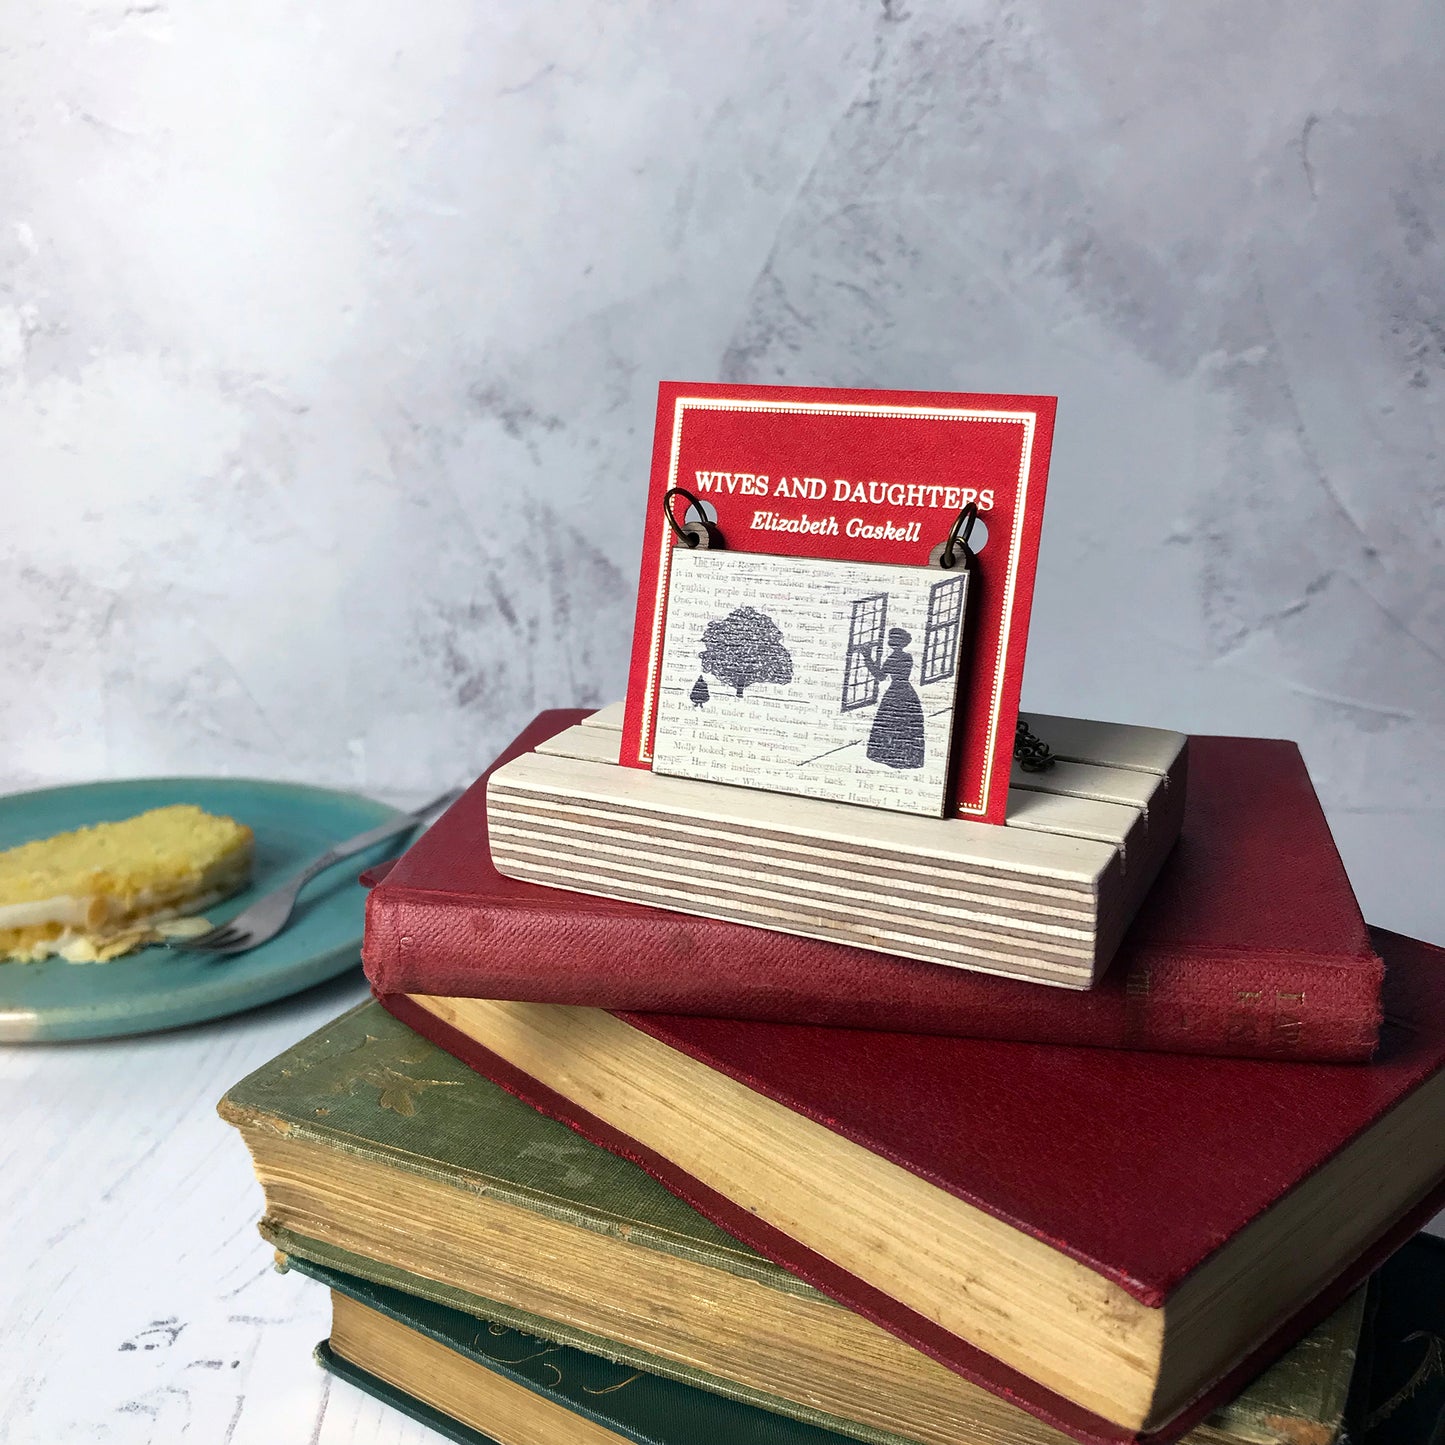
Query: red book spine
{"points": [[1242, 1005]]}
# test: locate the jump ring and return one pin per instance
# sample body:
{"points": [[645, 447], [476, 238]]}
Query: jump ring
{"points": [[701, 533], [965, 519]]}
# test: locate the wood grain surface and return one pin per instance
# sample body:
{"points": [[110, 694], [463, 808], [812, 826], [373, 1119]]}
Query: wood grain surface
{"points": [[138, 1303], [1045, 898]]}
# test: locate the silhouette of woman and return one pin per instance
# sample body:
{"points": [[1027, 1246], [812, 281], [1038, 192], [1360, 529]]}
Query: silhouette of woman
{"points": [[897, 735]]}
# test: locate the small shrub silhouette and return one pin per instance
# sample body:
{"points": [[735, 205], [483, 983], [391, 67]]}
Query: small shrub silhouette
{"points": [[746, 648]]}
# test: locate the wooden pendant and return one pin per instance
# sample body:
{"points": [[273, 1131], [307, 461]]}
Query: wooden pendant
{"points": [[823, 678]]}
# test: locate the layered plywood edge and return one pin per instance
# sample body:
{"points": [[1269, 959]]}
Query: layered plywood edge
{"points": [[1047, 897]]}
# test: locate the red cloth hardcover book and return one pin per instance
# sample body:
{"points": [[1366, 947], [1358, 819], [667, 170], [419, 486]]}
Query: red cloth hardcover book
{"points": [[1139, 1167], [1251, 943]]}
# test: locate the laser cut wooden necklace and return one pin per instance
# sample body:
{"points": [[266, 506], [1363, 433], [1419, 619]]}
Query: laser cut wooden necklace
{"points": [[824, 678]]}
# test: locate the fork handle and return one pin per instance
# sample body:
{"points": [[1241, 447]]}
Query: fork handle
{"points": [[402, 823]]}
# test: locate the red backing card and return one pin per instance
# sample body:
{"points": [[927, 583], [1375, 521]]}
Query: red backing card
{"points": [[873, 476]]}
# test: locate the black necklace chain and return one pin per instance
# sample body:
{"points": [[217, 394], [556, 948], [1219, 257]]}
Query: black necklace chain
{"points": [[1031, 753]]}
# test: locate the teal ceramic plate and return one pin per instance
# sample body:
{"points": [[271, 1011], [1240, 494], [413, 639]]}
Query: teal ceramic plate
{"points": [[159, 988]]}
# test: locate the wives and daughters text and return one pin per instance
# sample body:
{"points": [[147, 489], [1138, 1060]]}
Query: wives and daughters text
{"points": [[906, 496]]}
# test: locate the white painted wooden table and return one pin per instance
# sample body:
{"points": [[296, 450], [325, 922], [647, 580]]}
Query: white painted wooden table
{"points": [[137, 1302]]}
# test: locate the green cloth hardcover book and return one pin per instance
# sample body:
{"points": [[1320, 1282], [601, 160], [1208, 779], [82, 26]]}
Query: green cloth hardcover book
{"points": [[633, 1406], [384, 1158], [1397, 1398]]}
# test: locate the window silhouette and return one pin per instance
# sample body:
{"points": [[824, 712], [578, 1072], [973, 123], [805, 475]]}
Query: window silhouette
{"points": [[940, 635], [866, 627]]}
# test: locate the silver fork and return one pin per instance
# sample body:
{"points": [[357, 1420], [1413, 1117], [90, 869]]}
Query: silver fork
{"points": [[268, 915]]}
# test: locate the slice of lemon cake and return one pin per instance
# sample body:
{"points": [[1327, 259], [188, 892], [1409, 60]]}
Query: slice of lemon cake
{"points": [[99, 892]]}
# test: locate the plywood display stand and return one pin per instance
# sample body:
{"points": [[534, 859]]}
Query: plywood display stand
{"points": [[1046, 897]]}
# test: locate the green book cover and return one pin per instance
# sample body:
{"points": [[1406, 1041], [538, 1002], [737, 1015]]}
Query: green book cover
{"points": [[419, 1410], [368, 1085], [644, 1408], [1398, 1397]]}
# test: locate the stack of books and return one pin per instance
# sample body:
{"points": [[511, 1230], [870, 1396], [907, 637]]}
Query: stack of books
{"points": [[589, 1170]]}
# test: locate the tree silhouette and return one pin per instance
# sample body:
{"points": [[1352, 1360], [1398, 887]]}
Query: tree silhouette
{"points": [[699, 693], [744, 648]]}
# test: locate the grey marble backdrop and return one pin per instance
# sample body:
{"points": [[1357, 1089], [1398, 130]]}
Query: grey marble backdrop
{"points": [[329, 336]]}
